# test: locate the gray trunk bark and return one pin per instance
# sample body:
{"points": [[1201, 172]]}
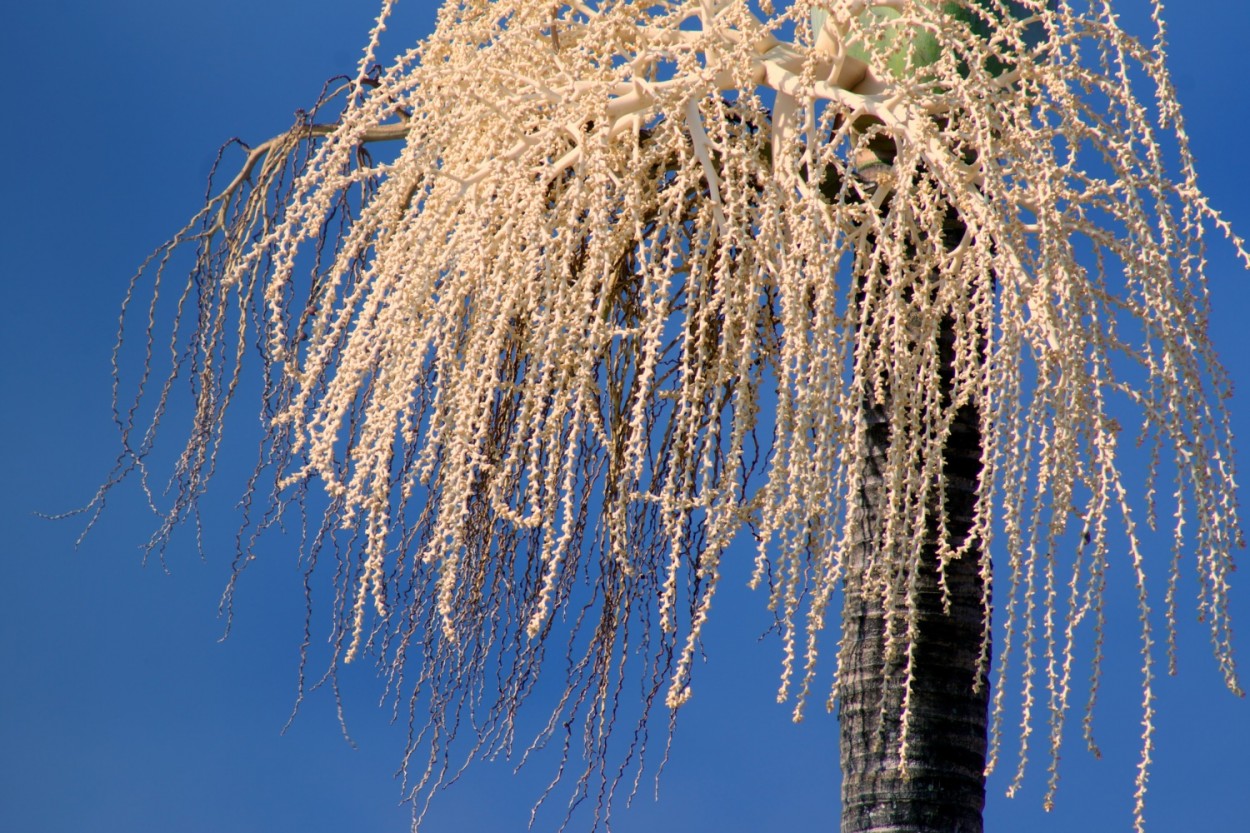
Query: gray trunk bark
{"points": [[944, 788]]}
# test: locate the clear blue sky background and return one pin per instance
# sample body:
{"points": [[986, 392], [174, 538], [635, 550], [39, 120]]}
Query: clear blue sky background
{"points": [[120, 710]]}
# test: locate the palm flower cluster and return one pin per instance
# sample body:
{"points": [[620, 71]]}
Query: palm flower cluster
{"points": [[625, 283]]}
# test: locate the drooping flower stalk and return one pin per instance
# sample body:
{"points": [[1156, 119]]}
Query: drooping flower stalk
{"points": [[625, 286]]}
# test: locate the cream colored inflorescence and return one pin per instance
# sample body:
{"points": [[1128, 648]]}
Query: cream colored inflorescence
{"points": [[627, 286]]}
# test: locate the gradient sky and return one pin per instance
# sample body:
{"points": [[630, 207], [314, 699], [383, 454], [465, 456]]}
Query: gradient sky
{"points": [[120, 708]]}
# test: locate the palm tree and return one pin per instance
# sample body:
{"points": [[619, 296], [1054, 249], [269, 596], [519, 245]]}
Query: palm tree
{"points": [[644, 275]]}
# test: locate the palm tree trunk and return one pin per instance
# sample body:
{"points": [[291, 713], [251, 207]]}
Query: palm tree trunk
{"points": [[943, 790]]}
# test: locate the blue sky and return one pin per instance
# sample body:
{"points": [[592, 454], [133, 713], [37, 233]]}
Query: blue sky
{"points": [[120, 708]]}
